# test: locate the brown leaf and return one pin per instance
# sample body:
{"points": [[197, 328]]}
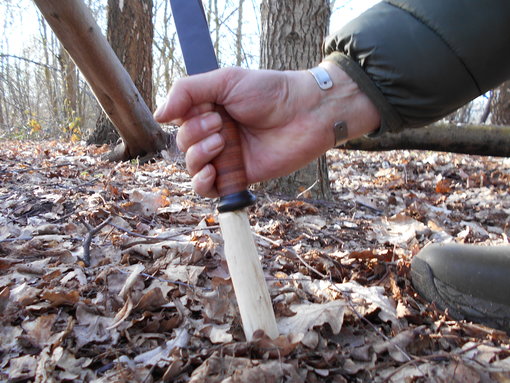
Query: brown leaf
{"points": [[274, 348], [219, 302], [151, 300], [243, 370], [444, 186], [385, 255], [61, 297], [6, 263], [122, 315], [396, 346], [24, 294], [22, 368], [296, 208], [5, 294], [40, 329]]}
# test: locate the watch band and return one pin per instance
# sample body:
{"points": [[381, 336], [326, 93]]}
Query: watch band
{"points": [[324, 81], [322, 77]]}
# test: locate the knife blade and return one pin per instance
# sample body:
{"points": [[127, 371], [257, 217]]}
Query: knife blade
{"points": [[240, 251]]}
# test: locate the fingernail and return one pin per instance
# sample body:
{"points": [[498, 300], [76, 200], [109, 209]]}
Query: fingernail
{"points": [[206, 173], [212, 143], [160, 109], [211, 122]]}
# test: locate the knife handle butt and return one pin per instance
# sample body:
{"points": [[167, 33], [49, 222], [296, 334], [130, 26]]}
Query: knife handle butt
{"points": [[230, 172]]}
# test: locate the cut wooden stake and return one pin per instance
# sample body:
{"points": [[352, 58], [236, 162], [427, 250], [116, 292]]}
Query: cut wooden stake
{"points": [[247, 276]]}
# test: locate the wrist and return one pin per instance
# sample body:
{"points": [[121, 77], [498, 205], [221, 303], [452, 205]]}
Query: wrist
{"points": [[346, 110]]}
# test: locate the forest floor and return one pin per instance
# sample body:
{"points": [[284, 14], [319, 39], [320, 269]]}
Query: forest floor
{"points": [[115, 272]]}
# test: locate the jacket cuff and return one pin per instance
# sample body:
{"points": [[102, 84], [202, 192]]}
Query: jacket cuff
{"points": [[390, 119]]}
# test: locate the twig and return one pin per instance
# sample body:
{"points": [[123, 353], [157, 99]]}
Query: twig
{"points": [[362, 318], [307, 265], [167, 281], [88, 238], [34, 169], [154, 239], [2, 55], [307, 190], [148, 237], [16, 239]]}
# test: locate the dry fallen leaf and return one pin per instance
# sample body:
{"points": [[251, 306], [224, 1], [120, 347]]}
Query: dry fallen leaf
{"points": [[92, 327], [310, 315], [178, 320]]}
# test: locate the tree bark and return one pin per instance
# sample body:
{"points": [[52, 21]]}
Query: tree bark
{"points": [[3, 104], [70, 87], [292, 34], [239, 34], [487, 108], [486, 140], [217, 30], [81, 37], [50, 85], [500, 105], [130, 32]]}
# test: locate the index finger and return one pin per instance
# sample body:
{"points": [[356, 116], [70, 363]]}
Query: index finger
{"points": [[193, 112], [186, 93]]}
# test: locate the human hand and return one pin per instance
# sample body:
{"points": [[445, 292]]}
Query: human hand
{"points": [[285, 119]]}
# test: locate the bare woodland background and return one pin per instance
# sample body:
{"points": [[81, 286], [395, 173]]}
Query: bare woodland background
{"points": [[42, 95]]}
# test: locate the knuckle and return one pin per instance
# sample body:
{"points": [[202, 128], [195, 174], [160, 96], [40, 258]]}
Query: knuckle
{"points": [[191, 163], [180, 141]]}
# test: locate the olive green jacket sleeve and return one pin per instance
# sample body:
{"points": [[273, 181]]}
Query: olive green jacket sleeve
{"points": [[419, 60]]}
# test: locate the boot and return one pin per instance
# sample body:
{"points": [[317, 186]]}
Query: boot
{"points": [[472, 282]]}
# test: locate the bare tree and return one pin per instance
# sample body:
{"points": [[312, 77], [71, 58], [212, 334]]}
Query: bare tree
{"points": [[50, 83], [69, 75], [167, 66], [239, 35], [130, 32]]}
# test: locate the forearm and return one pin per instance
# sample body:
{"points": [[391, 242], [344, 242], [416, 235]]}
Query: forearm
{"points": [[424, 58]]}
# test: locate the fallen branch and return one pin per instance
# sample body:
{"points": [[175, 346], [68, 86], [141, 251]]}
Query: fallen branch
{"points": [[154, 239], [485, 140]]}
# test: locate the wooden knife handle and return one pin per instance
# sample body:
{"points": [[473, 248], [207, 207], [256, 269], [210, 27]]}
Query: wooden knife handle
{"points": [[230, 171]]}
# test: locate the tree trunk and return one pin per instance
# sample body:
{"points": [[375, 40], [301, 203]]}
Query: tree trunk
{"points": [[3, 102], [483, 140], [81, 37], [50, 85], [217, 30], [130, 32], [487, 108], [239, 34], [292, 34], [500, 105], [70, 87]]}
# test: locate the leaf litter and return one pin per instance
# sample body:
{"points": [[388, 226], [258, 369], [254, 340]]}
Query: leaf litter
{"points": [[115, 272]]}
